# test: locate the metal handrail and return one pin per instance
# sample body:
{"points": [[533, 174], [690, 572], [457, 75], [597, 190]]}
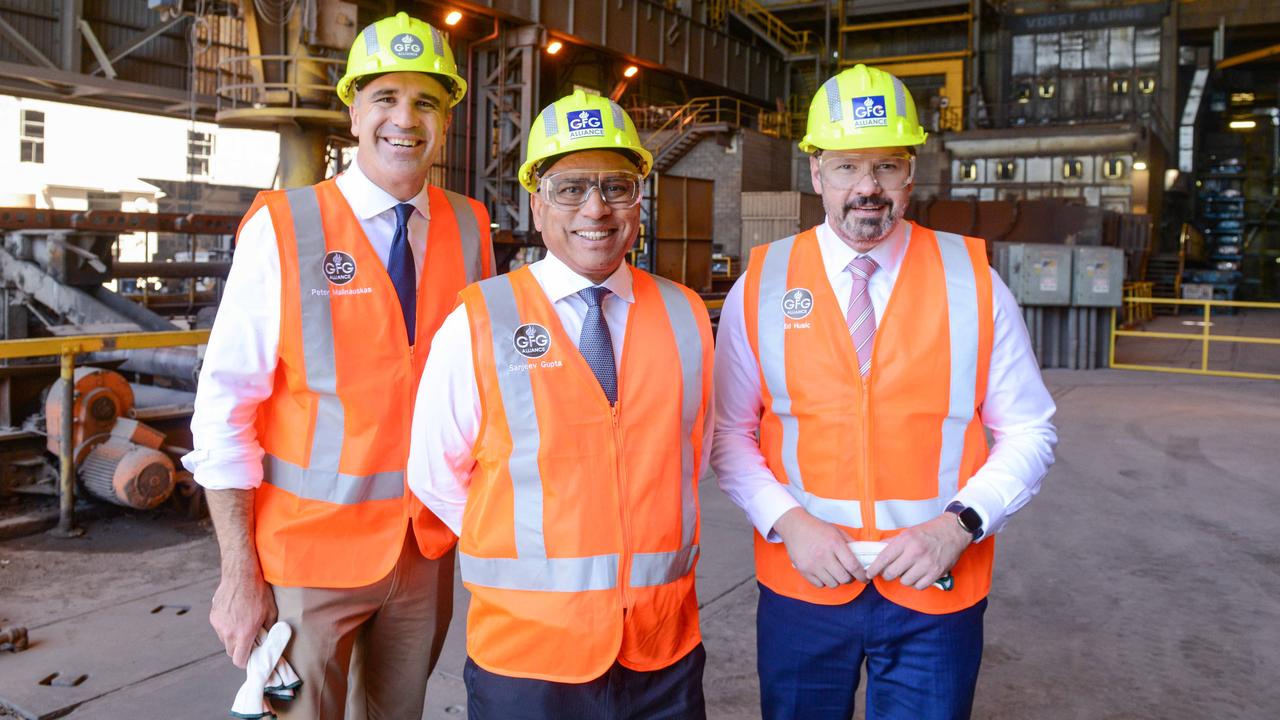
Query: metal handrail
{"points": [[796, 41], [234, 89], [1205, 337], [66, 348], [675, 120]]}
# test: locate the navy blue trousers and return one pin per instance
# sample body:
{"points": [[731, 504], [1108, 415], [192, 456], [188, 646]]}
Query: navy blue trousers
{"points": [[919, 666], [672, 693]]}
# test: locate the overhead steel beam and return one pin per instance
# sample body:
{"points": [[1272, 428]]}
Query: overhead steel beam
{"points": [[98, 52], [68, 41], [1243, 58], [24, 46], [54, 84], [145, 37]]}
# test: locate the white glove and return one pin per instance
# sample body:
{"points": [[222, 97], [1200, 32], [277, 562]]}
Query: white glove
{"points": [[867, 551], [283, 680], [250, 702]]}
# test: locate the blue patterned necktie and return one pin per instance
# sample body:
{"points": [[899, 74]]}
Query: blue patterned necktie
{"points": [[400, 268], [595, 343]]}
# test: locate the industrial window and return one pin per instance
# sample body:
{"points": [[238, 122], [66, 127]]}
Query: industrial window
{"points": [[1006, 169], [1113, 168], [1023, 92], [969, 170], [32, 136], [1146, 85], [199, 150], [1072, 169], [1119, 86], [1047, 88]]}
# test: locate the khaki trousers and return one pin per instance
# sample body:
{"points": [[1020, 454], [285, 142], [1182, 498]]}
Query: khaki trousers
{"points": [[366, 652]]}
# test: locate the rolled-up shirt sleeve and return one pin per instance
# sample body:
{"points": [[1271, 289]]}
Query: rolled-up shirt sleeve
{"points": [[239, 365], [446, 420]]}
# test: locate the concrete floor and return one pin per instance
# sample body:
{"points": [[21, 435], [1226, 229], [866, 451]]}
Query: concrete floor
{"points": [[1144, 582]]}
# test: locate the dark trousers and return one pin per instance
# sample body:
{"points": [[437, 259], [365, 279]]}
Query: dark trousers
{"points": [[672, 693], [919, 666]]}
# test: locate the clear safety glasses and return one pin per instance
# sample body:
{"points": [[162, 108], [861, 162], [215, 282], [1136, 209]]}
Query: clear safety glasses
{"points": [[569, 190], [845, 172]]}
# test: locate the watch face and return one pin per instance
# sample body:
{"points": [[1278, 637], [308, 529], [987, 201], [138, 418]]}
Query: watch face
{"points": [[971, 519]]}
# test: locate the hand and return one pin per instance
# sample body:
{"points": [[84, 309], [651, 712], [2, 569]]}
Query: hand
{"points": [[819, 550], [242, 604], [922, 554]]}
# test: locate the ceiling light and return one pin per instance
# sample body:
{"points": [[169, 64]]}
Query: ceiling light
{"points": [[630, 71], [452, 18], [1139, 165], [554, 47], [1243, 124]]}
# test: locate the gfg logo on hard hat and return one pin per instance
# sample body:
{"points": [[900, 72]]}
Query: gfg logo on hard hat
{"points": [[531, 340], [339, 267], [797, 303], [406, 46], [869, 111], [585, 123]]}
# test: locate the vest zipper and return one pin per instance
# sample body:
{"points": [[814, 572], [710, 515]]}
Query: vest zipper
{"points": [[624, 565]]}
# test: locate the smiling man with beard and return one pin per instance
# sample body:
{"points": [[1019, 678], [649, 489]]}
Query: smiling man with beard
{"points": [[301, 424], [856, 367], [567, 449]]}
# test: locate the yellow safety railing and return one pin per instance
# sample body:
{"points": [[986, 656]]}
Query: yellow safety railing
{"points": [[1137, 313], [66, 348], [796, 41], [1205, 337]]}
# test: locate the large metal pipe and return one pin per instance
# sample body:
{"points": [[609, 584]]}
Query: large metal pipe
{"points": [[67, 470], [170, 269], [302, 155]]}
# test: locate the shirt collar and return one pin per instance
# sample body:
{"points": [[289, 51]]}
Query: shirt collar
{"points": [[836, 254], [368, 200], [559, 281]]}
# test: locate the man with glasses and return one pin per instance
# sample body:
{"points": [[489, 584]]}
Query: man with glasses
{"points": [[856, 368], [563, 441]]}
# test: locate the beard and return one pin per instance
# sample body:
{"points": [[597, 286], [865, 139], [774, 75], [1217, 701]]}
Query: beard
{"points": [[869, 231]]}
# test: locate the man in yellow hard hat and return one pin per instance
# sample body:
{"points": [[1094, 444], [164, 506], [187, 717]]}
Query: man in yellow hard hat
{"points": [[857, 366], [301, 425], [566, 452]]}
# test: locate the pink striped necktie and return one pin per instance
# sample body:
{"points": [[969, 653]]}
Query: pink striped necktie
{"points": [[861, 317]]}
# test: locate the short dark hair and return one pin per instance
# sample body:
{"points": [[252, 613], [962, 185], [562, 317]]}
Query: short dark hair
{"points": [[363, 80]]}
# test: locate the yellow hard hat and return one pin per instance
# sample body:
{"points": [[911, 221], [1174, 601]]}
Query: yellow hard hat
{"points": [[401, 44], [580, 122], [862, 107]]}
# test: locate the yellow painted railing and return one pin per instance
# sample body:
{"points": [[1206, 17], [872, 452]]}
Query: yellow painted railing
{"points": [[796, 41], [1205, 336], [1136, 313], [66, 348]]}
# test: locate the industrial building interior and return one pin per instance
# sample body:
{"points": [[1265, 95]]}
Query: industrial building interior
{"points": [[1121, 159]]}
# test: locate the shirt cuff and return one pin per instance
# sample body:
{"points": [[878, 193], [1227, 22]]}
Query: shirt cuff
{"points": [[213, 473], [987, 503], [772, 502]]}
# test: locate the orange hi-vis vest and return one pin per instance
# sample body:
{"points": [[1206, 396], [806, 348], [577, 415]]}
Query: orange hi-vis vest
{"points": [[333, 507], [879, 454], [581, 532]]}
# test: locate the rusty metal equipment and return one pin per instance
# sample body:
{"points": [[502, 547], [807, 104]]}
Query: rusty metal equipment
{"points": [[116, 457], [13, 639]]}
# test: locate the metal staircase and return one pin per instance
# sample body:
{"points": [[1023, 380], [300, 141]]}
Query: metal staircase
{"points": [[674, 130], [795, 44]]}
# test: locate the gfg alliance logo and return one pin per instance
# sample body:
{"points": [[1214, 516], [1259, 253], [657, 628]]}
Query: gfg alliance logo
{"points": [[339, 267], [406, 46], [797, 303], [531, 340], [869, 111], [585, 123]]}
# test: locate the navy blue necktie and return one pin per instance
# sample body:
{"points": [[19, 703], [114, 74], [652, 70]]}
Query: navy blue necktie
{"points": [[595, 344], [400, 268]]}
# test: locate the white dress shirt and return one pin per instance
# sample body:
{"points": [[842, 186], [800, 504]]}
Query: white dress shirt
{"points": [[446, 425], [1017, 409], [240, 360]]}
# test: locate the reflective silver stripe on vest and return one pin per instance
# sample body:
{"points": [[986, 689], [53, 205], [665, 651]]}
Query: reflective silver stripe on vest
{"points": [[516, 389], [468, 235], [337, 488], [598, 572], [840, 512], [648, 569], [370, 35], [962, 322], [835, 107], [689, 346], [320, 480], [532, 569]]}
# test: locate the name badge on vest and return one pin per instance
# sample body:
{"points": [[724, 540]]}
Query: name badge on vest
{"points": [[339, 269], [532, 341], [797, 303]]}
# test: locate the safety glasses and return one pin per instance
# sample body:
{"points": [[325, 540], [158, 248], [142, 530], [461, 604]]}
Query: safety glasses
{"points": [[570, 189], [845, 172]]}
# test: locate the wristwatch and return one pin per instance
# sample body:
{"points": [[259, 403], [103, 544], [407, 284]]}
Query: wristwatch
{"points": [[969, 518]]}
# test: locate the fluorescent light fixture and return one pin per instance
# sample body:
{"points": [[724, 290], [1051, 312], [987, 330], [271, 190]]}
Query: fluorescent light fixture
{"points": [[630, 72], [452, 18], [1140, 165], [554, 46], [1243, 124]]}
